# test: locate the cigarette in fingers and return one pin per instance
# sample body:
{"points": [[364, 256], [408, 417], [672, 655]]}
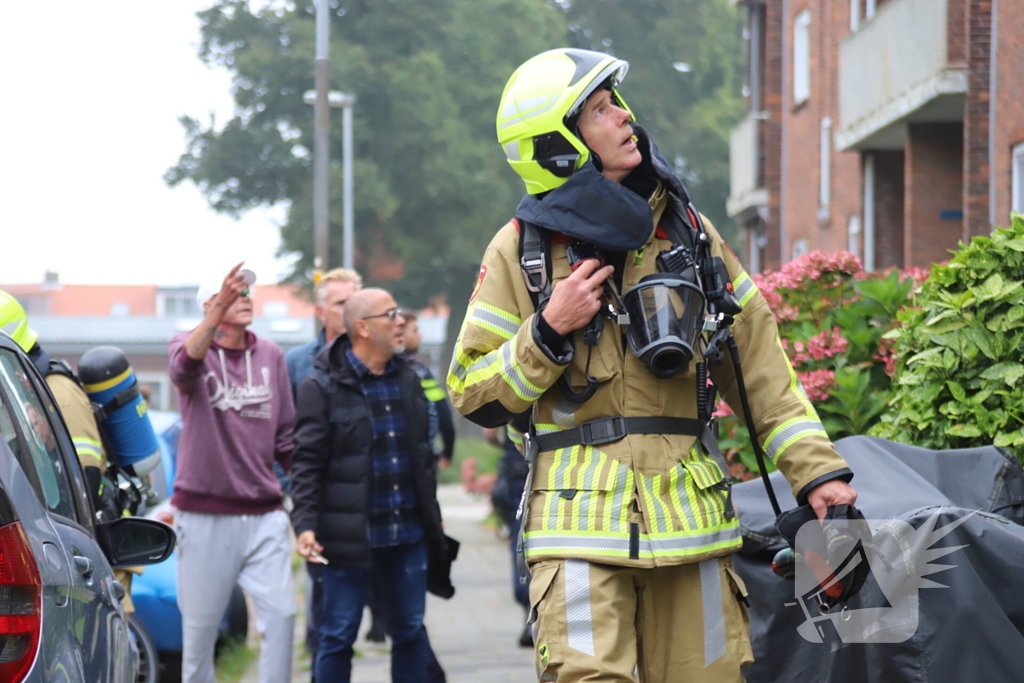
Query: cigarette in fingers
{"points": [[317, 557]]}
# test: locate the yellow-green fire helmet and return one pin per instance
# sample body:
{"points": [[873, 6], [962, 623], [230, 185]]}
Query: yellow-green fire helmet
{"points": [[539, 99], [14, 322]]}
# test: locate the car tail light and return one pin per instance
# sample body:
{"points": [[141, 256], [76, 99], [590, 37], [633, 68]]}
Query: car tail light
{"points": [[20, 598]]}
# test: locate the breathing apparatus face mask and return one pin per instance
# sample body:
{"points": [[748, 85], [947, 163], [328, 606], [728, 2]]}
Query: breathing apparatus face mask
{"points": [[666, 316]]}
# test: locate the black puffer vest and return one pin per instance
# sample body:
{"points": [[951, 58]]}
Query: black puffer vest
{"points": [[338, 417]]}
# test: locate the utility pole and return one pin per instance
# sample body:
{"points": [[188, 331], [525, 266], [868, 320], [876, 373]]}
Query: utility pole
{"points": [[321, 138]]}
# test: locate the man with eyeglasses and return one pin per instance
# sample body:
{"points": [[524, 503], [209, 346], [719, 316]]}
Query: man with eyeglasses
{"points": [[331, 293], [364, 486], [237, 414]]}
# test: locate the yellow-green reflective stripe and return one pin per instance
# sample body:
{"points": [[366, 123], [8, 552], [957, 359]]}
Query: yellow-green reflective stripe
{"points": [[467, 372], [616, 514], [86, 446], [696, 503], [789, 433], [514, 435], [743, 288], [653, 504], [545, 428], [501, 323], [602, 544], [433, 392], [683, 511], [796, 387]]}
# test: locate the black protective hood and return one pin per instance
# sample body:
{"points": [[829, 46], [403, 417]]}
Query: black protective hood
{"points": [[600, 211]]}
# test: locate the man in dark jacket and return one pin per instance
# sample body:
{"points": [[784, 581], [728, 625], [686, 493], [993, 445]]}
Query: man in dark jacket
{"points": [[365, 492]]}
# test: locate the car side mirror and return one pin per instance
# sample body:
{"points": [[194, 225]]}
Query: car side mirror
{"points": [[132, 541]]}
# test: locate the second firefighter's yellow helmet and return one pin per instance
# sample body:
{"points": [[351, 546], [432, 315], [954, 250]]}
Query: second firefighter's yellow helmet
{"points": [[536, 117], [14, 322]]}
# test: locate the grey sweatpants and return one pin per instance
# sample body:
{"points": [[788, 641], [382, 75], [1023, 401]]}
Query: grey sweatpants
{"points": [[214, 553]]}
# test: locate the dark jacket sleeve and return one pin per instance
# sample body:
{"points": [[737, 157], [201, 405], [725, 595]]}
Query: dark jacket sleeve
{"points": [[446, 425], [313, 432]]}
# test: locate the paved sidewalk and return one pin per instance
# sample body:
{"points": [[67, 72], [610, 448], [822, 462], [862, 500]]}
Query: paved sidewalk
{"points": [[475, 633]]}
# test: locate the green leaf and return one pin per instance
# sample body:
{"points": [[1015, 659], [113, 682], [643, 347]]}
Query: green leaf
{"points": [[1008, 439], [1009, 372], [963, 430], [990, 288]]}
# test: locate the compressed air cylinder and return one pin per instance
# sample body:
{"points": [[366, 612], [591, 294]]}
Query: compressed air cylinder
{"points": [[110, 382]]}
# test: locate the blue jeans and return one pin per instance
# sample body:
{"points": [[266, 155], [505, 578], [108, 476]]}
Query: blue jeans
{"points": [[402, 572]]}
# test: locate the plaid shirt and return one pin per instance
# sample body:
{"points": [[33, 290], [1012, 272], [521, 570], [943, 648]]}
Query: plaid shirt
{"points": [[393, 518]]}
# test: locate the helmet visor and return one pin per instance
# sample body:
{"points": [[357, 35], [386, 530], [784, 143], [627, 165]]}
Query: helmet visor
{"points": [[664, 310], [616, 71]]}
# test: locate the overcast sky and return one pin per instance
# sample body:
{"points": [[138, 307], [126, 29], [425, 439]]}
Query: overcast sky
{"points": [[91, 96]]}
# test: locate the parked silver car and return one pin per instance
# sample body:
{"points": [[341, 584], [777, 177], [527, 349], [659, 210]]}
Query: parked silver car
{"points": [[61, 618]]}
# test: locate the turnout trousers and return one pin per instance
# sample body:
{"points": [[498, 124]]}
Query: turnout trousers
{"points": [[612, 624]]}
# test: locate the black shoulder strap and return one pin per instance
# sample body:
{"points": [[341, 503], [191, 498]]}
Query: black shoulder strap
{"points": [[535, 261], [61, 367]]}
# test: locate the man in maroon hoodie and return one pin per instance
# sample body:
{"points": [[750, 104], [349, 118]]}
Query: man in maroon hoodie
{"points": [[238, 414]]}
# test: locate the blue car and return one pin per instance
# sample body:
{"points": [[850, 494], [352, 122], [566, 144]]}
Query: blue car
{"points": [[155, 593]]}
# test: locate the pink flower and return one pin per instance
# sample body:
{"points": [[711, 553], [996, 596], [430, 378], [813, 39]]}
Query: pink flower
{"points": [[826, 344], [722, 410], [817, 383]]}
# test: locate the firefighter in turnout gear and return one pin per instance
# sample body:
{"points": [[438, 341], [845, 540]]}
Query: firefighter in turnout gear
{"points": [[595, 308]]}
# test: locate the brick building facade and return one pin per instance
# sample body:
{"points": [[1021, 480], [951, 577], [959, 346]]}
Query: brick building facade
{"points": [[870, 127]]}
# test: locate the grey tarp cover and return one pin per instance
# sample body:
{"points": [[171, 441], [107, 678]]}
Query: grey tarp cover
{"points": [[971, 631]]}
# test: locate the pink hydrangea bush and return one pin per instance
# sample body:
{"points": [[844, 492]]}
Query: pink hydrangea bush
{"points": [[832, 316]]}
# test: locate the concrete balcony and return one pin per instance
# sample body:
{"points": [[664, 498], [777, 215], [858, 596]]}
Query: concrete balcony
{"points": [[900, 67], [746, 191]]}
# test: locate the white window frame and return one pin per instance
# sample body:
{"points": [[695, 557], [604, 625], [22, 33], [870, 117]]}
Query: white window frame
{"points": [[802, 57], [825, 168], [800, 247], [1017, 179], [869, 9], [853, 235], [854, 15]]}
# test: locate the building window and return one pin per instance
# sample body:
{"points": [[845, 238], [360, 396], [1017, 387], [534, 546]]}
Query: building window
{"points": [[869, 8], [1017, 191], [275, 309], [802, 57], [799, 248], [825, 161], [854, 15], [178, 303], [853, 235]]}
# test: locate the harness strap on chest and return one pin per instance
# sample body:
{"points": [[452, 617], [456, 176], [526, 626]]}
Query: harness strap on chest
{"points": [[608, 429], [535, 261]]}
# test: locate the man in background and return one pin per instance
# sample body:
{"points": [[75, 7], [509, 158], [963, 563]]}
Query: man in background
{"points": [[365, 492], [330, 294], [237, 419], [441, 418]]}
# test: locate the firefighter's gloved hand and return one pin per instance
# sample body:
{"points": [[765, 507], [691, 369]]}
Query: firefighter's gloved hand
{"points": [[577, 299], [832, 549], [829, 493]]}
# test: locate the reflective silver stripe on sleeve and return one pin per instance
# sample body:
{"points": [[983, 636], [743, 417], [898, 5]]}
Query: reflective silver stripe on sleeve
{"points": [[714, 617], [578, 621], [498, 324], [781, 439]]}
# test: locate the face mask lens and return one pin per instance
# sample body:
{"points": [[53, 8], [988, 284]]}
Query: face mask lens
{"points": [[665, 314]]}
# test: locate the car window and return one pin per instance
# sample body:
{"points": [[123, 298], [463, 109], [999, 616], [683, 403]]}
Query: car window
{"points": [[32, 439]]}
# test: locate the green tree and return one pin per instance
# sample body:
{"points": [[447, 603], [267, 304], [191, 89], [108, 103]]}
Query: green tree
{"points": [[688, 114], [431, 186]]}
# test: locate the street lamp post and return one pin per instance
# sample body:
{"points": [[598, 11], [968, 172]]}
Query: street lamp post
{"points": [[322, 98], [321, 134], [320, 189]]}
